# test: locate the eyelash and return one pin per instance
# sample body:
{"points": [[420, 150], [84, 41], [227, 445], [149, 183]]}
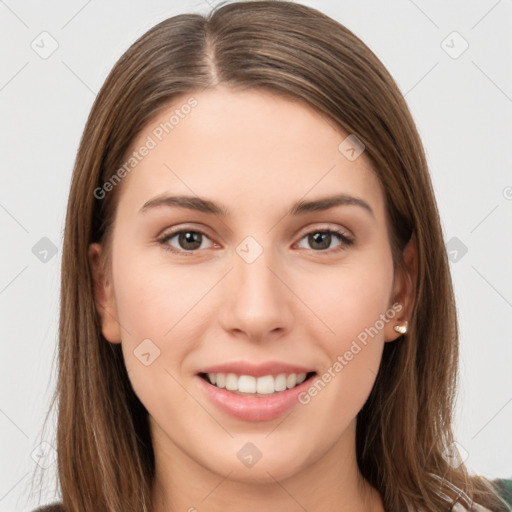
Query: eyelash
{"points": [[346, 240]]}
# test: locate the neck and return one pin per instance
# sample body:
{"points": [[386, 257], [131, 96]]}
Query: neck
{"points": [[332, 483]]}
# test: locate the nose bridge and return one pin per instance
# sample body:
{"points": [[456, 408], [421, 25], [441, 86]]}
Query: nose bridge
{"points": [[258, 300]]}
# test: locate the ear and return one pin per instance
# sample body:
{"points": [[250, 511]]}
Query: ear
{"points": [[104, 295], [404, 288]]}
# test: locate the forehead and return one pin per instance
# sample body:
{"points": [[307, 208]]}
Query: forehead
{"points": [[253, 148]]}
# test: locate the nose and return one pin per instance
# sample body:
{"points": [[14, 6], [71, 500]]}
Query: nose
{"points": [[257, 302]]}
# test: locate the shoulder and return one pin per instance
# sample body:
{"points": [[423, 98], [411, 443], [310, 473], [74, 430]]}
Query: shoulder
{"points": [[54, 507], [504, 490], [504, 487]]}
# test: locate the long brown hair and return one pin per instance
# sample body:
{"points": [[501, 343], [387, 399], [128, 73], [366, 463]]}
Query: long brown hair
{"points": [[404, 431]]}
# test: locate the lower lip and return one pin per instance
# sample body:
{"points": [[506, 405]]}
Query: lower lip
{"points": [[249, 408]]}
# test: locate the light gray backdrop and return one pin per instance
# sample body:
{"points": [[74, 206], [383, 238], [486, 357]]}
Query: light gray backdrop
{"points": [[450, 59]]}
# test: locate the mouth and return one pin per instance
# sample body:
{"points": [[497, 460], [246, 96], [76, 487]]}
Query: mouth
{"points": [[252, 398], [259, 387]]}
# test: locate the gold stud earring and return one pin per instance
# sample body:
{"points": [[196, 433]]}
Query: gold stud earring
{"points": [[402, 329]]}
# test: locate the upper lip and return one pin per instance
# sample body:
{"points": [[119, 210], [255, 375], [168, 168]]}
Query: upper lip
{"points": [[257, 370]]}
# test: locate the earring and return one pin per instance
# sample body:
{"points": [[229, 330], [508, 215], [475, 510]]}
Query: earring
{"points": [[402, 329]]}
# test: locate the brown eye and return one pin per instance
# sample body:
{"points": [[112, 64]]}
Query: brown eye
{"points": [[186, 241], [189, 240], [321, 240]]}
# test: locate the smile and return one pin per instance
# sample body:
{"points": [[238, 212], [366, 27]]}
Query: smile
{"points": [[256, 386], [254, 398]]}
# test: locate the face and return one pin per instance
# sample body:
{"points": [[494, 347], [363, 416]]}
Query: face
{"points": [[250, 277]]}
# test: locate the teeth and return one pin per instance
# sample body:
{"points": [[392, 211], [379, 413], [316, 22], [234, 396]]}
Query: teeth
{"points": [[231, 382], [262, 385], [291, 380], [220, 379]]}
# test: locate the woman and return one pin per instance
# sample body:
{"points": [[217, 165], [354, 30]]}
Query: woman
{"points": [[257, 311]]}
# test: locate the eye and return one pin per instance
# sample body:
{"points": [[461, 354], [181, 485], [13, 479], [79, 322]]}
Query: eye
{"points": [[321, 239], [188, 241]]}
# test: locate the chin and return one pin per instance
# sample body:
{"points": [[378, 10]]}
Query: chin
{"points": [[269, 462]]}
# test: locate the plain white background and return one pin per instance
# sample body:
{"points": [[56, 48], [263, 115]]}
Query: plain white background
{"points": [[461, 99]]}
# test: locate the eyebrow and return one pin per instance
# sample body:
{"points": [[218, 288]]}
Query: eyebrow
{"points": [[301, 207]]}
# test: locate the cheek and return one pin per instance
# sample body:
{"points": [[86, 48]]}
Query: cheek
{"points": [[349, 300], [353, 306], [162, 317], [164, 311], [154, 300]]}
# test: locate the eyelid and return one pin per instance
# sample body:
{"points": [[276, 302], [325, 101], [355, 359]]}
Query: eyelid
{"points": [[326, 227]]}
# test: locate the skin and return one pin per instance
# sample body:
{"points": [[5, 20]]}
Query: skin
{"points": [[299, 302]]}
